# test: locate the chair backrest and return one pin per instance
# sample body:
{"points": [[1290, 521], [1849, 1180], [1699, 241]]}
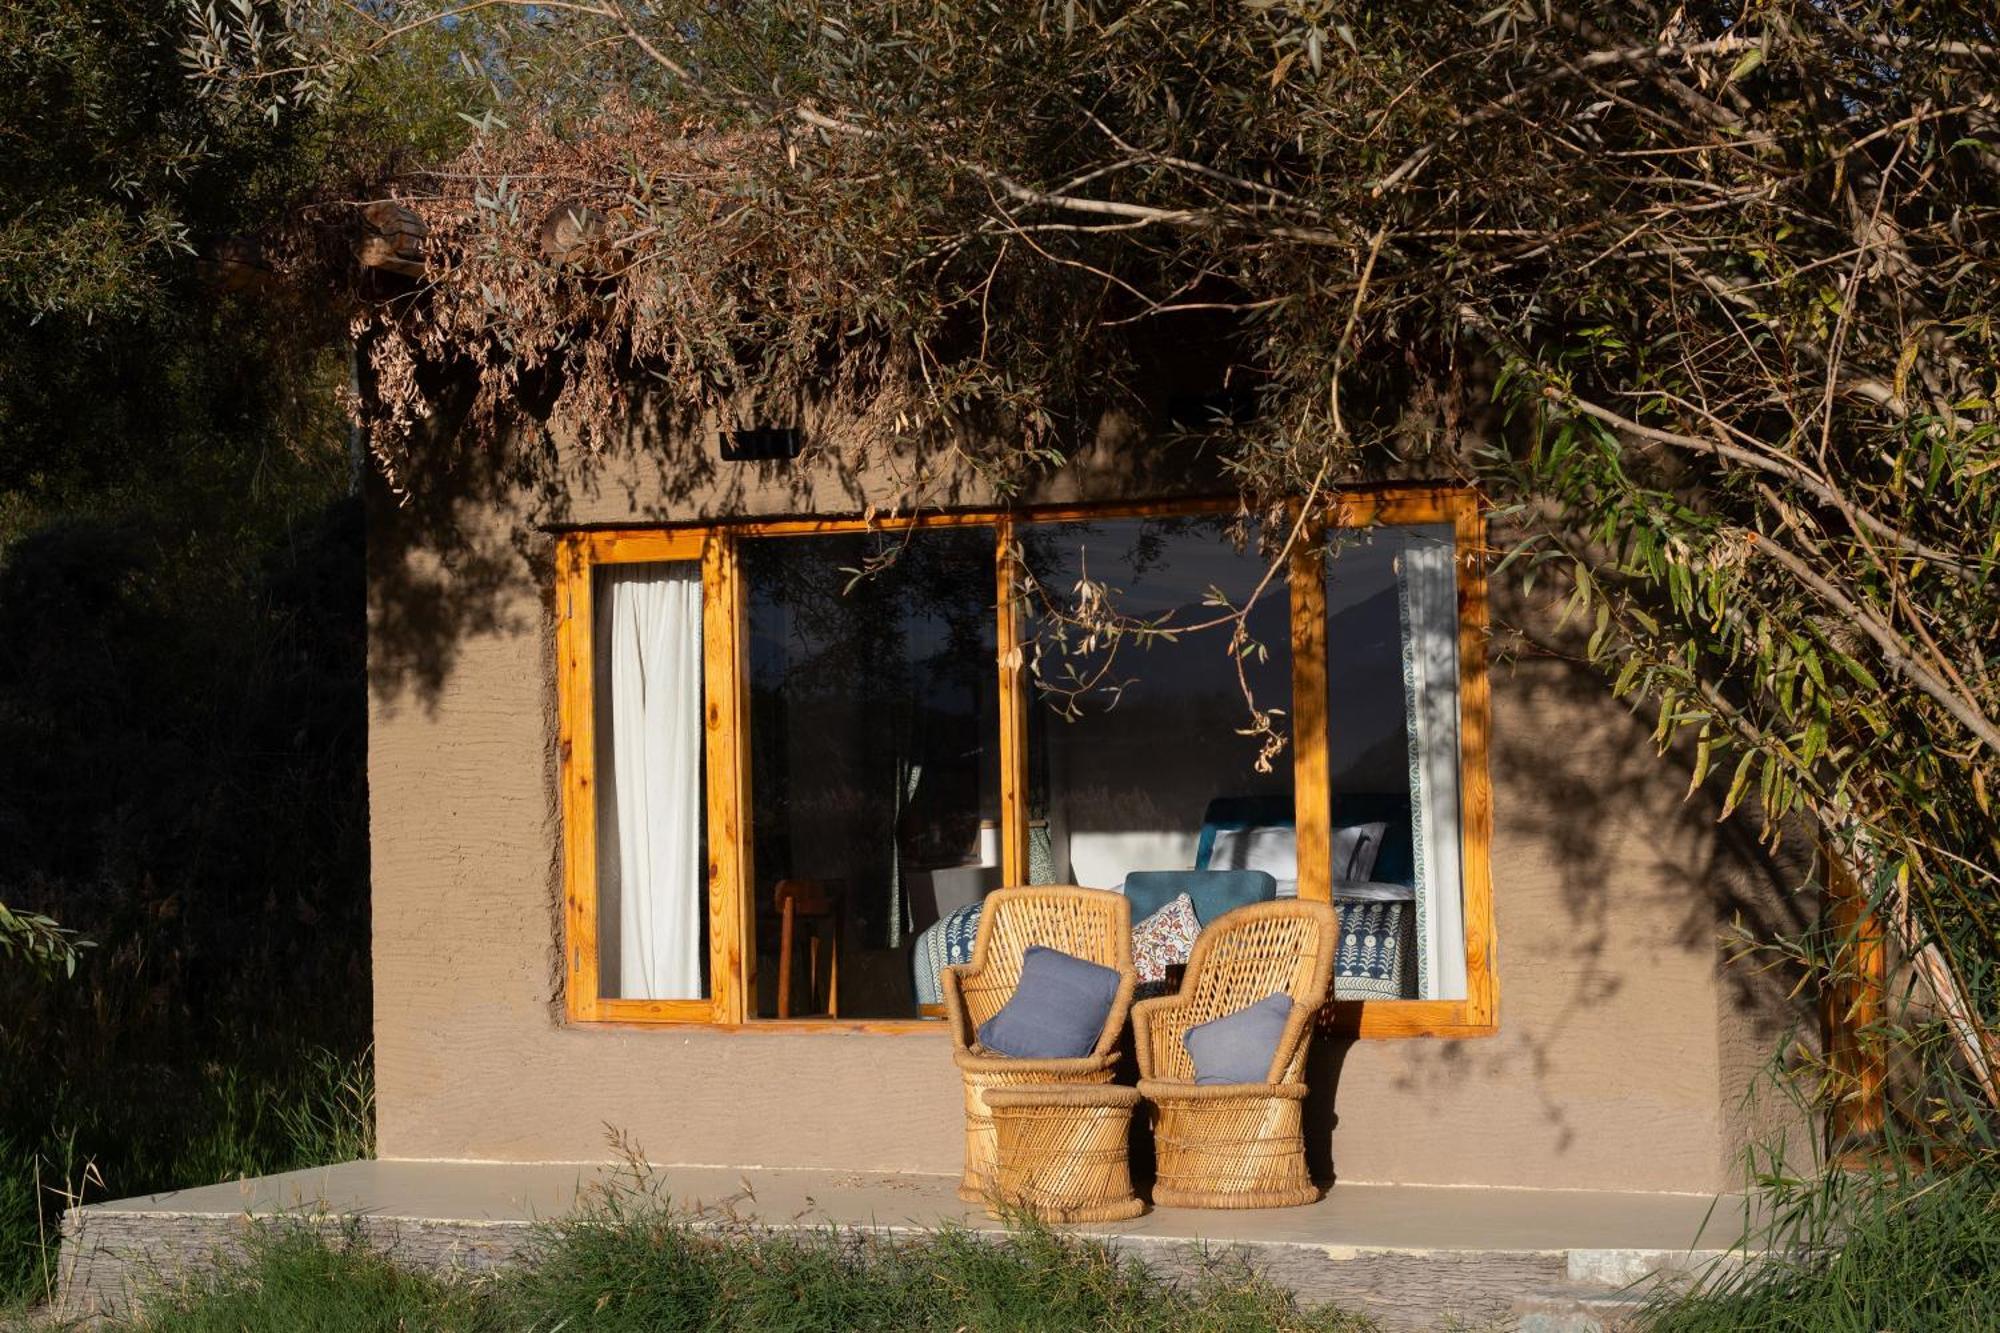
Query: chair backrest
{"points": [[1093, 924], [1247, 954], [1212, 891]]}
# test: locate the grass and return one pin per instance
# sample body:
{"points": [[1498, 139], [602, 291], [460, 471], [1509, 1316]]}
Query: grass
{"points": [[1912, 1254], [649, 1269], [140, 1130]]}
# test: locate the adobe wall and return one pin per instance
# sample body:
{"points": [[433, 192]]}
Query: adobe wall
{"points": [[1624, 1042]]}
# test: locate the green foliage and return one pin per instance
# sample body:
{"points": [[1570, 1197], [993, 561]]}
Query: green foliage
{"points": [[1914, 1254], [120, 173], [36, 939], [136, 1129], [296, 1280], [648, 1270], [180, 781], [147, 361], [181, 648]]}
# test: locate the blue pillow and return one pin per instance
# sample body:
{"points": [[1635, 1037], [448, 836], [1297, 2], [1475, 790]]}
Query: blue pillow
{"points": [[1058, 1009], [1239, 1047]]}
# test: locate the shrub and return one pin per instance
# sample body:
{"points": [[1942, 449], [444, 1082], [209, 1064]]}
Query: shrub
{"points": [[646, 1268], [1912, 1253]]}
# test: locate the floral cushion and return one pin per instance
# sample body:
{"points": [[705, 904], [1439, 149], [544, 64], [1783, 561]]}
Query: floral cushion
{"points": [[1164, 939]]}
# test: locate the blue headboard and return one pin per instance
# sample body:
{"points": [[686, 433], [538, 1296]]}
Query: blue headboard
{"points": [[1213, 892]]}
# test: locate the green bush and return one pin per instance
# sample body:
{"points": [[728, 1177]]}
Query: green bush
{"points": [[299, 1282]]}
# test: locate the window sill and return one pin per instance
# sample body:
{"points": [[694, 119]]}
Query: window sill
{"points": [[1365, 1020], [1369, 1020]]}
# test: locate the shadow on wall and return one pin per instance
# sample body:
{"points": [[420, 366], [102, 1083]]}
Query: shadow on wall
{"points": [[1585, 803], [468, 549]]}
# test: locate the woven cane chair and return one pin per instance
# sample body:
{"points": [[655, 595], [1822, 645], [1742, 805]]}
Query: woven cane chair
{"points": [[1237, 1145], [1085, 923]]}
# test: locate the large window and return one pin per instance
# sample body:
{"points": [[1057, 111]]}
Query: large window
{"points": [[797, 755], [1136, 733], [874, 757]]}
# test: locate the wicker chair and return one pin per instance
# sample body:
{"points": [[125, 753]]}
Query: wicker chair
{"points": [[1237, 1145], [1085, 923]]}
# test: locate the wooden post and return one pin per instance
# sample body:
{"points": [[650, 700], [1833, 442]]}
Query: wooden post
{"points": [[1851, 1005], [1313, 808], [1013, 713]]}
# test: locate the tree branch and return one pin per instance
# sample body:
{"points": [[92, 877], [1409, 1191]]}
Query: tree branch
{"points": [[1893, 651]]}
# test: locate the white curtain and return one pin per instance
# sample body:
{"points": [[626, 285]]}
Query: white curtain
{"points": [[1427, 587], [649, 745]]}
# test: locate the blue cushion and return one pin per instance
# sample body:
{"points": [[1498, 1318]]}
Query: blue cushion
{"points": [[1058, 1009], [1239, 1047], [1213, 892]]}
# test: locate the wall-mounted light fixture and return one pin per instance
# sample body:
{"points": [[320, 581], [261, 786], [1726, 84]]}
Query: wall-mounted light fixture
{"points": [[761, 444]]}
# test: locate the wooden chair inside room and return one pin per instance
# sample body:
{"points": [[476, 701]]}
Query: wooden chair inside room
{"points": [[814, 906], [1091, 924], [1237, 1145]]}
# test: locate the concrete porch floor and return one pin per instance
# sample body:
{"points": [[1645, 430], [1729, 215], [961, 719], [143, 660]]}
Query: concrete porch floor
{"points": [[1410, 1255]]}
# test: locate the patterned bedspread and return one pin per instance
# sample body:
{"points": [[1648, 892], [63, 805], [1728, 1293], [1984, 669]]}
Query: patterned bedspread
{"points": [[1377, 959], [1378, 954], [947, 942]]}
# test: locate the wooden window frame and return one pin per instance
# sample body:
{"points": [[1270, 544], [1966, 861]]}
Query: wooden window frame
{"points": [[1478, 1014], [730, 881]]}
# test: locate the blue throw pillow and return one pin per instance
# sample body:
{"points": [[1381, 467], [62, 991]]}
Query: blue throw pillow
{"points": [[1058, 1009], [1239, 1047]]}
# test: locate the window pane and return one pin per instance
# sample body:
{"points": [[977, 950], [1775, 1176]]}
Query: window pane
{"points": [[875, 777], [652, 893], [1392, 740], [1136, 755]]}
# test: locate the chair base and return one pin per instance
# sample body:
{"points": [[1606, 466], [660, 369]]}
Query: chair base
{"points": [[1233, 1147], [1116, 1211], [1063, 1153], [988, 1073], [1296, 1197]]}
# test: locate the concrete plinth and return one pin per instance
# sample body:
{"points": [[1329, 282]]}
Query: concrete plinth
{"points": [[1409, 1255]]}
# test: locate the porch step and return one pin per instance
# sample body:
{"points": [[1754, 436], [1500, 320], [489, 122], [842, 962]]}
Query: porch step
{"points": [[1413, 1257], [1574, 1311]]}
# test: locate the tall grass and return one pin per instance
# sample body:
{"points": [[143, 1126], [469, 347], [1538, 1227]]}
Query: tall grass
{"points": [[1911, 1252], [655, 1271], [1894, 1224], [152, 1130]]}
